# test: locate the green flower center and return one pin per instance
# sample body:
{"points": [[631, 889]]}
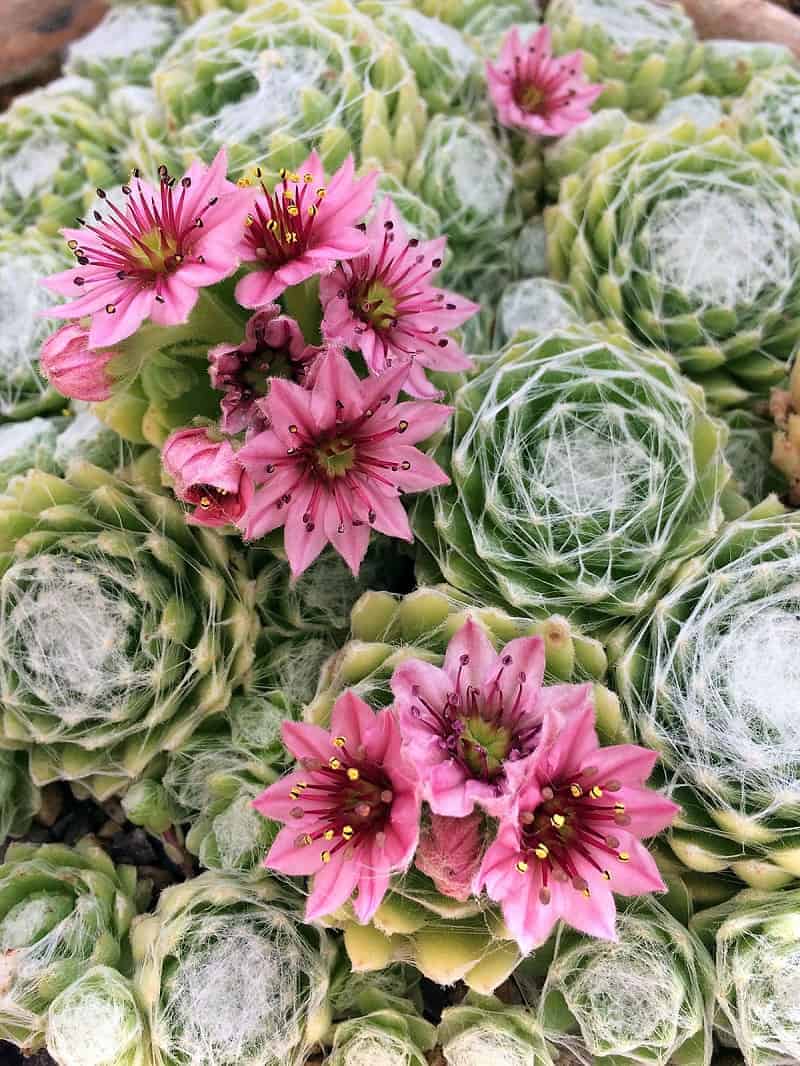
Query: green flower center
{"points": [[485, 746], [378, 306], [531, 99], [336, 457], [156, 251]]}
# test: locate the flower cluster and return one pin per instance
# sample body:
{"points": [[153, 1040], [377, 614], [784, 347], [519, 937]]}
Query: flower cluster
{"points": [[301, 440], [518, 795]]}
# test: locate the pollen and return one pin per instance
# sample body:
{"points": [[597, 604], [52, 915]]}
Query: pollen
{"points": [[353, 774], [576, 791], [522, 866], [558, 821], [325, 856], [339, 742], [595, 792], [541, 851], [623, 856], [347, 831], [328, 834], [334, 763]]}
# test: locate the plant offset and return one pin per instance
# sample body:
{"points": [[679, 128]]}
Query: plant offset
{"points": [[399, 436]]}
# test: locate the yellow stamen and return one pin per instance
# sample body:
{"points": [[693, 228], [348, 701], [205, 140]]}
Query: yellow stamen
{"points": [[541, 851], [623, 856], [353, 774], [522, 866], [205, 502], [328, 834], [558, 821], [595, 792], [334, 763], [347, 831], [325, 856], [339, 742], [576, 791]]}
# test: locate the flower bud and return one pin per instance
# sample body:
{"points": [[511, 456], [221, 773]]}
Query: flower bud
{"points": [[73, 367], [205, 473]]}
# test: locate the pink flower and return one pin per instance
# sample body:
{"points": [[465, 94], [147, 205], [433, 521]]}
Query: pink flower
{"points": [[150, 259], [383, 304], [205, 473], [350, 810], [536, 91], [72, 367], [336, 458], [464, 724], [273, 343], [572, 838], [449, 852], [302, 228]]}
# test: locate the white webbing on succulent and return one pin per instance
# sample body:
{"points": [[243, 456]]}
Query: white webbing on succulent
{"points": [[627, 23], [66, 636], [703, 111], [537, 305], [96, 1022], [376, 1047], [485, 1045], [721, 245], [758, 978]]}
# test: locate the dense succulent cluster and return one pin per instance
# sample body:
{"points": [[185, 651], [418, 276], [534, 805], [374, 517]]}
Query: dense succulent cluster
{"points": [[298, 769]]}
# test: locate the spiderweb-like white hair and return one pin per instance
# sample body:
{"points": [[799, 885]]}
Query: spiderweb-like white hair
{"points": [[96, 1021], [228, 978], [716, 678], [644, 995], [575, 481], [276, 80], [124, 47]]}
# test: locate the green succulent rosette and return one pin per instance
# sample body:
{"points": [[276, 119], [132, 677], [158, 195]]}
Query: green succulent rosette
{"points": [[24, 261], [382, 1030], [228, 976], [85, 438], [583, 472], [421, 220], [145, 142], [482, 1029], [769, 108], [691, 241], [97, 1021], [647, 997], [446, 939], [124, 47], [754, 939], [532, 306], [643, 53], [54, 151], [274, 81], [27, 444], [709, 682], [466, 174], [730, 66], [20, 799], [489, 23], [123, 628], [63, 910]]}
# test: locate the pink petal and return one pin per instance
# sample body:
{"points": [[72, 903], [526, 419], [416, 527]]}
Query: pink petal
{"points": [[520, 668], [290, 405], [349, 540], [446, 789], [306, 741], [414, 678], [288, 858], [423, 418], [472, 644], [179, 299], [337, 391], [352, 719], [107, 330], [303, 546], [333, 885], [258, 288], [373, 883]]}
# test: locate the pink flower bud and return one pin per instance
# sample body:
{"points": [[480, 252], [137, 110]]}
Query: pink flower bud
{"points": [[205, 473], [450, 853], [74, 368]]}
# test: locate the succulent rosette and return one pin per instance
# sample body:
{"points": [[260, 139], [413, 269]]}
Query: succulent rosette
{"points": [[642, 53], [648, 996], [383, 1029], [753, 938], [20, 799], [97, 1021], [708, 682], [125, 46], [54, 151], [273, 83], [562, 453], [122, 628], [570, 154], [482, 1029], [228, 976], [63, 910], [708, 263], [753, 456]]}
